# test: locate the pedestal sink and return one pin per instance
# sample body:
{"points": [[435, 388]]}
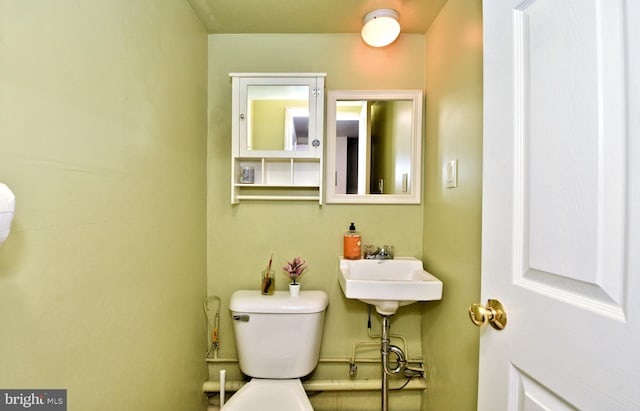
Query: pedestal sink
{"points": [[388, 284]]}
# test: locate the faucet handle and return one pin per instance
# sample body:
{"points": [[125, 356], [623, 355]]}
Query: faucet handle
{"points": [[369, 251], [387, 251]]}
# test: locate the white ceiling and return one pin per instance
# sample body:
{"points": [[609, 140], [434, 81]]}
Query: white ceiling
{"points": [[309, 16]]}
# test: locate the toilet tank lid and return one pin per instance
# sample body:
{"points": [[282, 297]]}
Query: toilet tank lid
{"points": [[252, 301]]}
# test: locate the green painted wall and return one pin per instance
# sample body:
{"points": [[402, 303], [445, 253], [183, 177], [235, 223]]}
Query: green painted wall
{"points": [[242, 237], [452, 217], [103, 141]]}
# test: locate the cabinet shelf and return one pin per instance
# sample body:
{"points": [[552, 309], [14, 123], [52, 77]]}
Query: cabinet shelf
{"points": [[272, 197], [276, 185], [278, 179]]}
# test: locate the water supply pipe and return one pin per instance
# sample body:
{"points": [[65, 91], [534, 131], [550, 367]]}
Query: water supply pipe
{"points": [[215, 342], [222, 388]]}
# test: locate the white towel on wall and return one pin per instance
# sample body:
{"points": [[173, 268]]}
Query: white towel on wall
{"points": [[7, 209]]}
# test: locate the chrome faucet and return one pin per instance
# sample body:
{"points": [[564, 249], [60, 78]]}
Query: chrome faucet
{"points": [[372, 252]]}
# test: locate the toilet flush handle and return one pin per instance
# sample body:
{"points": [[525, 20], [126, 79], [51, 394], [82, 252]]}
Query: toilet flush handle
{"points": [[241, 317]]}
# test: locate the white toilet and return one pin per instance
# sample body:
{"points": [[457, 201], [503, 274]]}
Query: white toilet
{"points": [[278, 342]]}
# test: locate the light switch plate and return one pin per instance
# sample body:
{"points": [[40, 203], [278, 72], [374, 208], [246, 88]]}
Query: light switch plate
{"points": [[451, 178]]}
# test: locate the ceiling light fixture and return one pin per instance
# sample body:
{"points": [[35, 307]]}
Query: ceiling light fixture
{"points": [[380, 27]]}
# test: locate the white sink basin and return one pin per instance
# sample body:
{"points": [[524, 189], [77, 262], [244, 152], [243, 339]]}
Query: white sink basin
{"points": [[388, 284]]}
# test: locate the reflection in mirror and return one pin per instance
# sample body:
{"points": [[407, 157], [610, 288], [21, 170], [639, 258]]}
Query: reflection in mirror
{"points": [[374, 146], [277, 117], [296, 128]]}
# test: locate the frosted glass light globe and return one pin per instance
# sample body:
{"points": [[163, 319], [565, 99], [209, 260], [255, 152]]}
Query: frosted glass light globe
{"points": [[381, 27]]}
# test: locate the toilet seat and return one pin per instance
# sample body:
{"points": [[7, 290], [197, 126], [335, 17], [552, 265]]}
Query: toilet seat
{"points": [[270, 395]]}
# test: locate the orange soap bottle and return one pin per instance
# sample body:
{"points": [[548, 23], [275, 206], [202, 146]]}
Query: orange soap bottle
{"points": [[352, 243]]}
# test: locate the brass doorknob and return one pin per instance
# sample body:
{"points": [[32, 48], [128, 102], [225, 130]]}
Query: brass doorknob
{"points": [[493, 313]]}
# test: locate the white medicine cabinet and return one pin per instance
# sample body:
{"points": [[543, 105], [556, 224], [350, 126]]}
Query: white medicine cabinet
{"points": [[277, 136]]}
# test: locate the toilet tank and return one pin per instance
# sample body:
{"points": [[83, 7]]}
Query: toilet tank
{"points": [[278, 336]]}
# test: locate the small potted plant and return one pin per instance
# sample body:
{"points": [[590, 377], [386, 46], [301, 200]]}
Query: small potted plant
{"points": [[294, 269]]}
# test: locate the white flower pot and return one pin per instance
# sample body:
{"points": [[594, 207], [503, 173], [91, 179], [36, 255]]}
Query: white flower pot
{"points": [[294, 289]]}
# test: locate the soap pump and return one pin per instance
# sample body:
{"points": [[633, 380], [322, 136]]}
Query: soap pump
{"points": [[352, 243]]}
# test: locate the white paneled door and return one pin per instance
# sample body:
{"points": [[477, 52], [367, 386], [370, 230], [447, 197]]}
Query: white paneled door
{"points": [[561, 205]]}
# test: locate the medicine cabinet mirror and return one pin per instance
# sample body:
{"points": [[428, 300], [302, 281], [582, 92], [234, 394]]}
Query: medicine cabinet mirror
{"points": [[273, 113], [374, 146], [277, 136]]}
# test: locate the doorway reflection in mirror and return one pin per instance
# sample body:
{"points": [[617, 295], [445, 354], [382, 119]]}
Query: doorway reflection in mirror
{"points": [[373, 146]]}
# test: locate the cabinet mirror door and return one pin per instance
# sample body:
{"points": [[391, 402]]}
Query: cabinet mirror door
{"points": [[279, 117]]}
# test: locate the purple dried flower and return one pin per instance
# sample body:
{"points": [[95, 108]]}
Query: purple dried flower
{"points": [[295, 268]]}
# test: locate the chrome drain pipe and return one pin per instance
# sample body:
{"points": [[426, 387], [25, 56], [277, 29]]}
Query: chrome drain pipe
{"points": [[385, 349]]}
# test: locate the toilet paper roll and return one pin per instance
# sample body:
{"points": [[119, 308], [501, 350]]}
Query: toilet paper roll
{"points": [[7, 209]]}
